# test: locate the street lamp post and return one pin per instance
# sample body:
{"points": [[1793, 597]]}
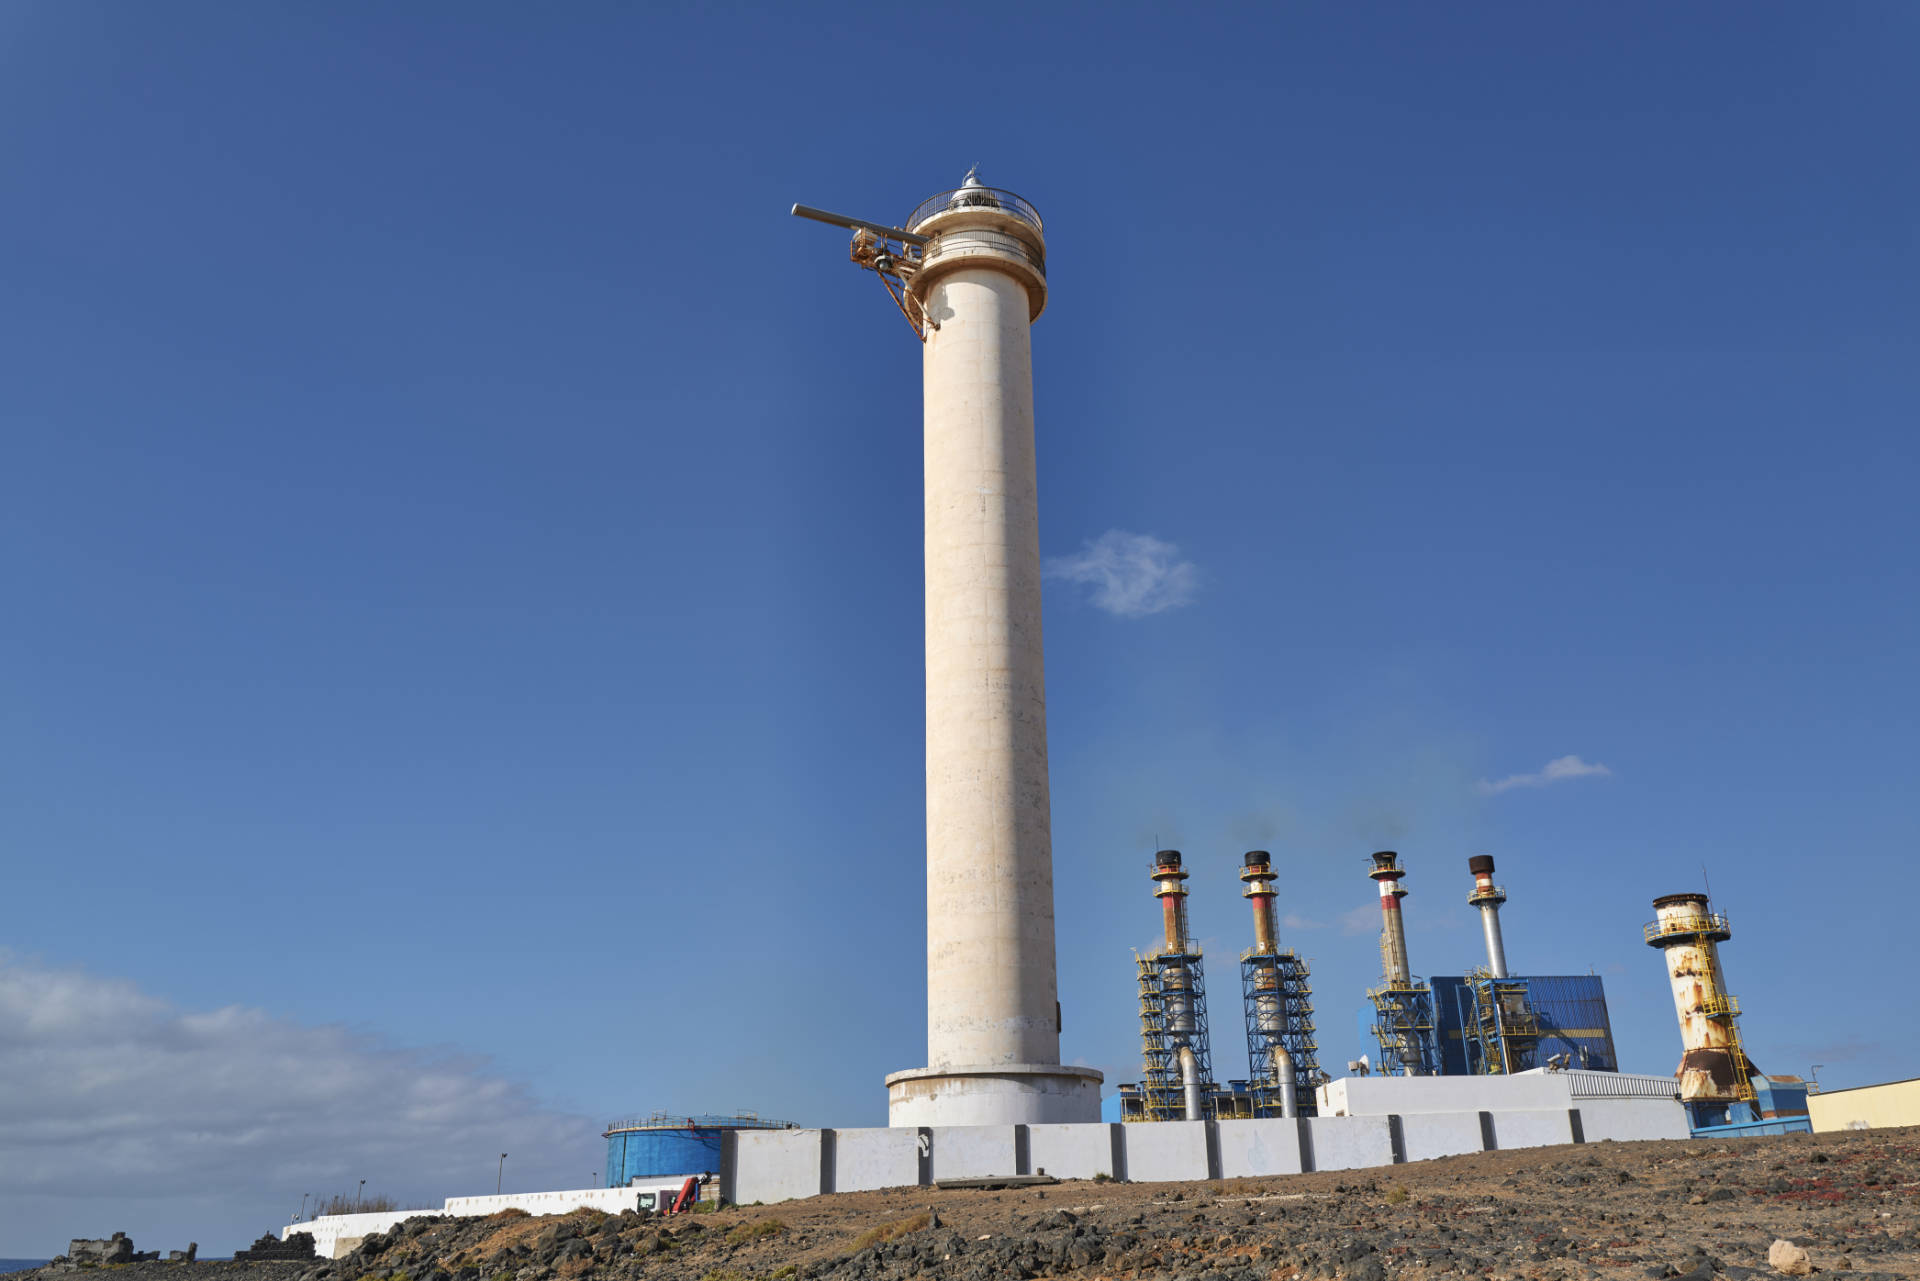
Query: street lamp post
{"points": [[500, 1174], [357, 1194]]}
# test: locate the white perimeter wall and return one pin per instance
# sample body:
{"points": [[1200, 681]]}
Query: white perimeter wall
{"points": [[782, 1165], [335, 1235]]}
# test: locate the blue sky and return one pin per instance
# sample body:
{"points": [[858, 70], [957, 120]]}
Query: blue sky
{"points": [[462, 545]]}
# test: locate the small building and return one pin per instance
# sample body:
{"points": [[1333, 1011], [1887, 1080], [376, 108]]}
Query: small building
{"points": [[1866, 1107]]}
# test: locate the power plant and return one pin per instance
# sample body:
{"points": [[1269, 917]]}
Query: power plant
{"points": [[966, 269], [1486, 1060]]}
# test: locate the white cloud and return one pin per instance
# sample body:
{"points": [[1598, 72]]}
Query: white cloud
{"points": [[1295, 921], [119, 1106], [1558, 770], [1132, 575]]}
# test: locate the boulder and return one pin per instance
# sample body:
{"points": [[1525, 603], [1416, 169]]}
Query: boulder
{"points": [[1788, 1259], [113, 1250]]}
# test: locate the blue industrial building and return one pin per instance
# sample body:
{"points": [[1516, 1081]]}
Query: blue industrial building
{"points": [[1561, 1015], [672, 1145]]}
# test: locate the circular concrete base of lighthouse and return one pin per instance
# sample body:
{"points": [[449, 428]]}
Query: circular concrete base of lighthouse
{"points": [[996, 1094]]}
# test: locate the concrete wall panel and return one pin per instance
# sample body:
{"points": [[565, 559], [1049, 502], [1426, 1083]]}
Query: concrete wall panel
{"points": [[1408, 1095], [1249, 1148], [1071, 1151], [974, 1151], [1166, 1151], [1628, 1119], [1348, 1142], [867, 1159], [774, 1165], [1532, 1128], [1428, 1135]]}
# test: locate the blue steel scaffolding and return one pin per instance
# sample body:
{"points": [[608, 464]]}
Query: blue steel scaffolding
{"points": [[1403, 1025], [1278, 1001], [1173, 1013]]}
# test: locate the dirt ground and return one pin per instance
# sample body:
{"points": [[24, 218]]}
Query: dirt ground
{"points": [[1696, 1210]]}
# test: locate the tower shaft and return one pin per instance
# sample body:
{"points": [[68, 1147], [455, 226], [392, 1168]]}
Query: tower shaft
{"points": [[993, 1013], [990, 943]]}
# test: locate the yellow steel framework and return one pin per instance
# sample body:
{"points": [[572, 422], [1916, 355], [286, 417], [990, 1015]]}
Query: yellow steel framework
{"points": [[1403, 1024], [1505, 1028]]}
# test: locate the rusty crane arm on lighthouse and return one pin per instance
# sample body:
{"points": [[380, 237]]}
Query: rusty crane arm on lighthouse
{"points": [[874, 248]]}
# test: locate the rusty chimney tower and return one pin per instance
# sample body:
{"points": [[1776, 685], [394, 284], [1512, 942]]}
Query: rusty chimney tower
{"points": [[1714, 1067]]}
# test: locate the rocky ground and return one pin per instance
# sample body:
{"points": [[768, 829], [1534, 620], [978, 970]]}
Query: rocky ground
{"points": [[1696, 1210]]}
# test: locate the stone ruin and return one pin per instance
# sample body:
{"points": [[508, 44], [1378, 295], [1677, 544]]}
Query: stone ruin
{"points": [[113, 1251], [268, 1249]]}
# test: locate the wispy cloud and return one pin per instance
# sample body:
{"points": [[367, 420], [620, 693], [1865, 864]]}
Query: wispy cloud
{"points": [[1132, 575], [1364, 919], [1558, 770], [1295, 921], [240, 1109]]}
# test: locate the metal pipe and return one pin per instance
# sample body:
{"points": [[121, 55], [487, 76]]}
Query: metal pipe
{"points": [[1190, 1077], [1283, 1068], [1393, 933], [860, 224], [1488, 897]]}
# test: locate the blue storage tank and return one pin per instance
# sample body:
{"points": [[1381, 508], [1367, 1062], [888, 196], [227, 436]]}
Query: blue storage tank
{"points": [[673, 1145]]}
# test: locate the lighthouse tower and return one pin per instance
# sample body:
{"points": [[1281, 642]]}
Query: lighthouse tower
{"points": [[968, 271]]}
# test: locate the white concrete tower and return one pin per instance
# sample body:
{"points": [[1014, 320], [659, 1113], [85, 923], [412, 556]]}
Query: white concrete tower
{"points": [[970, 275]]}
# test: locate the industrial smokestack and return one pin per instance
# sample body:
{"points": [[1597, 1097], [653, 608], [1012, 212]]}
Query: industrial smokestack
{"points": [[1169, 885], [1713, 1065], [1488, 897], [1257, 872], [1175, 1054], [1393, 933], [1278, 1003], [1269, 1012]]}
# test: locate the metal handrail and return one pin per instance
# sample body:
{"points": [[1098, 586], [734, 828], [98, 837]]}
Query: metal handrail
{"points": [[1701, 923], [1719, 1005], [698, 1120], [976, 198]]}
